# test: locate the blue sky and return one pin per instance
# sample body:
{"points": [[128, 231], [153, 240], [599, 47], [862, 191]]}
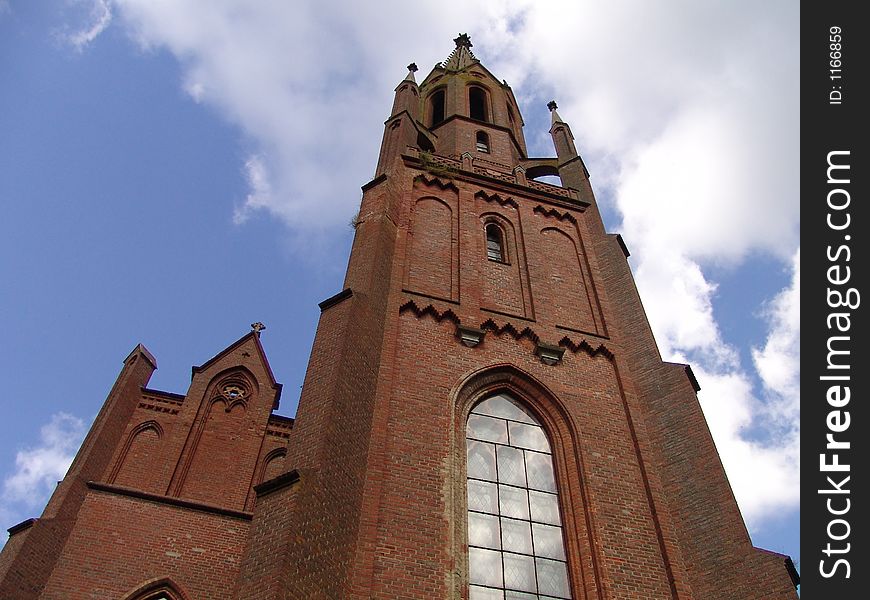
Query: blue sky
{"points": [[171, 172]]}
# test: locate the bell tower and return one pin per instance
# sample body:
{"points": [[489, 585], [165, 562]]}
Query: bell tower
{"points": [[485, 415]]}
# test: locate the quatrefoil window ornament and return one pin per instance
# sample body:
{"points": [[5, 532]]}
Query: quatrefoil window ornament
{"points": [[233, 391]]}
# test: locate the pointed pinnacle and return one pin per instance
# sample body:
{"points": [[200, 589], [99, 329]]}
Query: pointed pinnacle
{"points": [[555, 118]]}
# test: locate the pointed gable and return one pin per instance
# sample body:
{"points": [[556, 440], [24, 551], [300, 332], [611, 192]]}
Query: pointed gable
{"points": [[245, 352]]}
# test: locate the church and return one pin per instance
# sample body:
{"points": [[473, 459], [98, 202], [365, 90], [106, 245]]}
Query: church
{"points": [[485, 413]]}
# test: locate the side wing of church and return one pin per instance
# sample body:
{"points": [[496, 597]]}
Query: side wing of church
{"points": [[485, 413]]}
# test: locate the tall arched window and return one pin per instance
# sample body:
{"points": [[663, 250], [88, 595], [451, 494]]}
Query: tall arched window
{"points": [[495, 243], [436, 108], [515, 545], [482, 141], [477, 103]]}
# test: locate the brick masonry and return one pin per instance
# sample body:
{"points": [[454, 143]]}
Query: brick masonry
{"points": [[362, 495]]}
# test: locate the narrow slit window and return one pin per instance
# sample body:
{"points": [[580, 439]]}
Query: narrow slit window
{"points": [[494, 243], [436, 108], [477, 103], [482, 142]]}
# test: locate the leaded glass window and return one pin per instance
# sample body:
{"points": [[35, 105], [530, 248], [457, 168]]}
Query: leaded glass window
{"points": [[516, 548]]}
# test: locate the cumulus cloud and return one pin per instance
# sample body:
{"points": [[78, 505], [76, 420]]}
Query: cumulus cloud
{"points": [[98, 19], [38, 469], [687, 118]]}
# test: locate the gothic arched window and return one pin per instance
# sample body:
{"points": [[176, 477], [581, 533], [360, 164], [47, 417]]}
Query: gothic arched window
{"points": [[436, 107], [157, 589], [515, 544], [495, 243], [477, 103], [482, 142]]}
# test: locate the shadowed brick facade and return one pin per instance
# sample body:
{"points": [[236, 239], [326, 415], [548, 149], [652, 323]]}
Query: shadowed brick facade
{"points": [[210, 495]]}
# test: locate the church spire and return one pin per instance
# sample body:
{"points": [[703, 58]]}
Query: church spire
{"points": [[407, 95], [401, 129]]}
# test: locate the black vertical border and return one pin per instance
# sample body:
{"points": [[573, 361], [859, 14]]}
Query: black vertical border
{"points": [[825, 127]]}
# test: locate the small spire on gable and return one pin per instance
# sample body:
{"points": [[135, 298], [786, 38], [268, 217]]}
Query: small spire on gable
{"points": [[461, 57], [563, 139]]}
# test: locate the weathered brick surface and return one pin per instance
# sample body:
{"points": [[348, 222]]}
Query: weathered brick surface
{"points": [[363, 494], [120, 542]]}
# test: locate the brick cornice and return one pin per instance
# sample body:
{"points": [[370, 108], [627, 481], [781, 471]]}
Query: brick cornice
{"points": [[333, 300], [277, 483], [22, 526], [170, 500]]}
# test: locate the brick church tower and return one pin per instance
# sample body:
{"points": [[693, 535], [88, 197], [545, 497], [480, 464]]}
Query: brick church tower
{"points": [[485, 413]]}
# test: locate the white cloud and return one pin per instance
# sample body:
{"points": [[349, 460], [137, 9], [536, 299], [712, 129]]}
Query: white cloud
{"points": [[757, 432], [261, 190], [38, 469], [99, 17], [778, 362], [687, 117]]}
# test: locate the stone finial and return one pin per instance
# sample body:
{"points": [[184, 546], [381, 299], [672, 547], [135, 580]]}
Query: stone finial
{"points": [[461, 57], [412, 68], [257, 327], [554, 116], [463, 40]]}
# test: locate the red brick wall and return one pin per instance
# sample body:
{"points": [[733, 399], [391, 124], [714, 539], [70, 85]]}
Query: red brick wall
{"points": [[561, 296], [214, 476], [430, 248], [120, 542], [140, 457], [503, 284]]}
